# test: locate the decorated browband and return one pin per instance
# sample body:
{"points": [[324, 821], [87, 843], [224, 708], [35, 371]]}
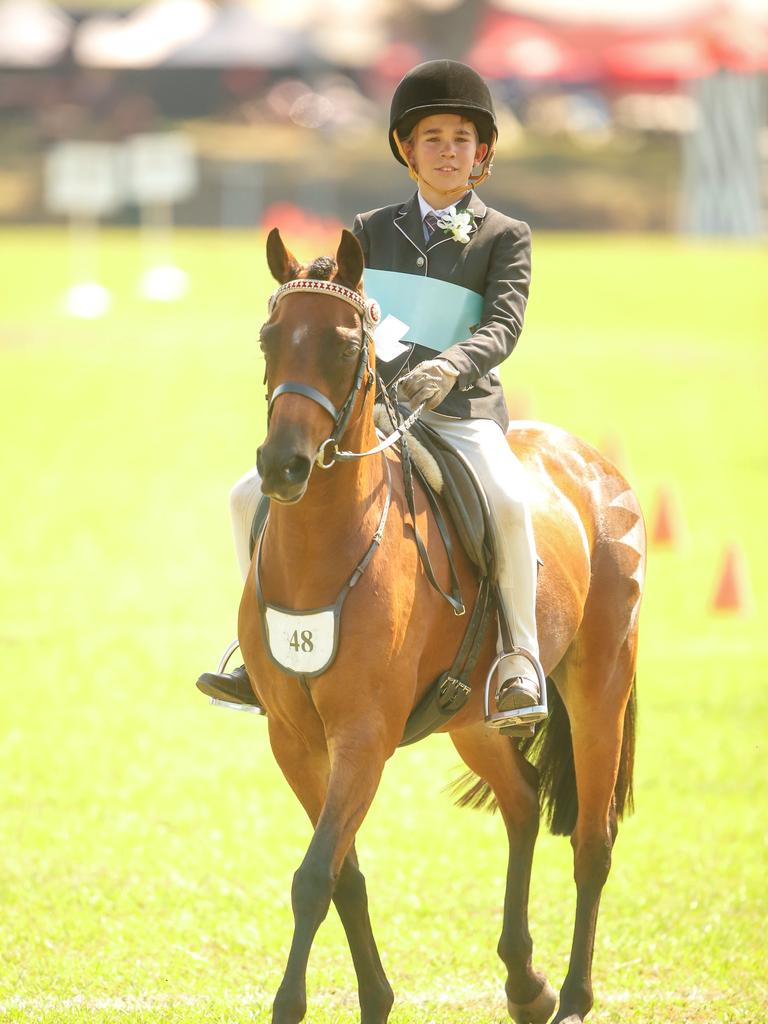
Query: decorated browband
{"points": [[369, 309]]}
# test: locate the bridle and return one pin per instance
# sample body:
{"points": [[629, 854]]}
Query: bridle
{"points": [[370, 315]]}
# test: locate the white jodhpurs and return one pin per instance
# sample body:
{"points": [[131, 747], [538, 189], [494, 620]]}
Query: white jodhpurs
{"points": [[485, 447], [244, 499], [483, 444]]}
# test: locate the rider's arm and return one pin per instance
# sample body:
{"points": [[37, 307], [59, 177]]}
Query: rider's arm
{"points": [[504, 302]]}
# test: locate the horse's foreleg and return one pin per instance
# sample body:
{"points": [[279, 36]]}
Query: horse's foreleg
{"points": [[354, 778], [351, 902], [496, 759]]}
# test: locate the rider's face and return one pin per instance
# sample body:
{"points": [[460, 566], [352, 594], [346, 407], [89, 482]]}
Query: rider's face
{"points": [[444, 148]]}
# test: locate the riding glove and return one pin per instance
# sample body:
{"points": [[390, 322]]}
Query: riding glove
{"points": [[429, 382]]}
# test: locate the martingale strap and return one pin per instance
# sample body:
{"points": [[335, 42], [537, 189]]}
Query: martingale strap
{"points": [[289, 633]]}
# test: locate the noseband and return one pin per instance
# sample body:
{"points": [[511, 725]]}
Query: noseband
{"points": [[370, 315]]}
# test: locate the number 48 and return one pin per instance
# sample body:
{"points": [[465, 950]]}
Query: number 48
{"points": [[302, 643]]}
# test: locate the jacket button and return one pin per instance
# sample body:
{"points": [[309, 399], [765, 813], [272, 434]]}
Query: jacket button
{"points": [[420, 261]]}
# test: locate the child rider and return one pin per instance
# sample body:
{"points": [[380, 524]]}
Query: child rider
{"points": [[442, 127]]}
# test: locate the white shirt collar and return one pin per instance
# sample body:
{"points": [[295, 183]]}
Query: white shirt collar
{"points": [[426, 208]]}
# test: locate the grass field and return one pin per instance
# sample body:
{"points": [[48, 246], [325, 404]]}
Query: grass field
{"points": [[147, 840]]}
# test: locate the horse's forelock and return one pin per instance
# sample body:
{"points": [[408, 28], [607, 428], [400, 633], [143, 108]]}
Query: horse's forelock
{"points": [[323, 268]]}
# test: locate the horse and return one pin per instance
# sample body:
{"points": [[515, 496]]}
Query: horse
{"points": [[333, 730]]}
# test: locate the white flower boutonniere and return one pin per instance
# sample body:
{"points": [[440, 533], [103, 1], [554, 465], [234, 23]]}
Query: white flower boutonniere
{"points": [[457, 223]]}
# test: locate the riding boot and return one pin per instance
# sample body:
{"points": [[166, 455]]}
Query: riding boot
{"points": [[233, 687]]}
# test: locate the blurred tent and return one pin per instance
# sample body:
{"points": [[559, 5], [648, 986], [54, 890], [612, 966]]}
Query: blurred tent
{"points": [[715, 50], [508, 46], [666, 43], [236, 33], [239, 36], [145, 38], [33, 33]]}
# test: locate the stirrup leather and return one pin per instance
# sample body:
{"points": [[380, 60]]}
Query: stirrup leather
{"points": [[515, 716], [254, 709]]}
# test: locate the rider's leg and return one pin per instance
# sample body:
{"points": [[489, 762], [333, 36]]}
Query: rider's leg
{"points": [[243, 500], [500, 472]]}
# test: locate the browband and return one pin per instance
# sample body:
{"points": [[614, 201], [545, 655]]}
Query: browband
{"points": [[369, 309]]}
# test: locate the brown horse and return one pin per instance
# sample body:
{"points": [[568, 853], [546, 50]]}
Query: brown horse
{"points": [[333, 732]]}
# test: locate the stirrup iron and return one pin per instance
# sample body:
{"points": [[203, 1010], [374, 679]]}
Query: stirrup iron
{"points": [[515, 716], [253, 709]]}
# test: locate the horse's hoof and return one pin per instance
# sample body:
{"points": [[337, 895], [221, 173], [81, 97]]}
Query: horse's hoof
{"points": [[538, 1011]]}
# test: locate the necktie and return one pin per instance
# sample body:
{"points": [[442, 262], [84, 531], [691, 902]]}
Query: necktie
{"points": [[430, 222]]}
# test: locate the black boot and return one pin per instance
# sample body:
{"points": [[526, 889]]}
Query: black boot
{"points": [[521, 694], [518, 693], [233, 687]]}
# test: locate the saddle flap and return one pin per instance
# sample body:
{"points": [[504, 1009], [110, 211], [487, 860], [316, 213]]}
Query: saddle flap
{"points": [[464, 499]]}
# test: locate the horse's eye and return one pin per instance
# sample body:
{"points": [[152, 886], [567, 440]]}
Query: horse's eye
{"points": [[351, 350]]}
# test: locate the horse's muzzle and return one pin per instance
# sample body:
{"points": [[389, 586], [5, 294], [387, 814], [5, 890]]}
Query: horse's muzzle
{"points": [[284, 475]]}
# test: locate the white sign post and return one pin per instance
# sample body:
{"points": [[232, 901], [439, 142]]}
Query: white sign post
{"points": [[82, 182], [161, 170]]}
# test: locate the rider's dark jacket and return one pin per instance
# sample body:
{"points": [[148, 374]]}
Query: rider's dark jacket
{"points": [[495, 262]]}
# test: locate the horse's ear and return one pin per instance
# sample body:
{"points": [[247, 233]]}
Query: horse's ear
{"points": [[282, 263], [349, 259]]}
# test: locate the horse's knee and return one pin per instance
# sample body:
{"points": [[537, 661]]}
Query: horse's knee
{"points": [[350, 886], [311, 891], [592, 858]]}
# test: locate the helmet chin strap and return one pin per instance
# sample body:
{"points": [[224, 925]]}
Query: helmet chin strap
{"points": [[474, 179]]}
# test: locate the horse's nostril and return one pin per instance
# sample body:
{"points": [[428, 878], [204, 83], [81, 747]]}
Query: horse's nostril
{"points": [[296, 469]]}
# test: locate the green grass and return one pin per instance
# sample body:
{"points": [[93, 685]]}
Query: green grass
{"points": [[147, 840]]}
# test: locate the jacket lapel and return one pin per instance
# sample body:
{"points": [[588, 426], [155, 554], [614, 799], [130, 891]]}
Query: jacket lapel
{"points": [[408, 223]]}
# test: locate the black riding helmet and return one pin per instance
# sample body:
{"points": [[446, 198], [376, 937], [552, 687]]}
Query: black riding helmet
{"points": [[441, 87]]}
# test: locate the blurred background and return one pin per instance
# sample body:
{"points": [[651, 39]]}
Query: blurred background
{"points": [[613, 116], [147, 840]]}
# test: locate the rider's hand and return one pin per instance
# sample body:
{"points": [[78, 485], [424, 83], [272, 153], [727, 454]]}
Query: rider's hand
{"points": [[429, 382]]}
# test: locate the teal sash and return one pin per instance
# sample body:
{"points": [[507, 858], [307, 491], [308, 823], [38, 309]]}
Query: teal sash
{"points": [[438, 313]]}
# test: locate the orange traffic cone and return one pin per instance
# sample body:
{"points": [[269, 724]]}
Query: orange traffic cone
{"points": [[666, 530], [732, 593]]}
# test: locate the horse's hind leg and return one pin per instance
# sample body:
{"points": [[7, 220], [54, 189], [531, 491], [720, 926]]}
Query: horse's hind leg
{"points": [[336, 806], [596, 685], [496, 759]]}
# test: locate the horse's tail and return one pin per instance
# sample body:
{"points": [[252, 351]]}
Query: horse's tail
{"points": [[551, 752]]}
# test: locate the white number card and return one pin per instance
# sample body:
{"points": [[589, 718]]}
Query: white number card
{"points": [[301, 642]]}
